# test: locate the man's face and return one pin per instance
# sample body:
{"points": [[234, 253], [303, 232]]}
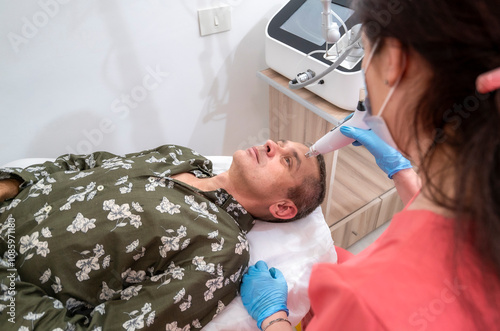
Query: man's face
{"points": [[271, 169]]}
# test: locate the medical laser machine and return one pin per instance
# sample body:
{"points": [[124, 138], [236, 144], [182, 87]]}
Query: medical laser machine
{"points": [[318, 41], [293, 37]]}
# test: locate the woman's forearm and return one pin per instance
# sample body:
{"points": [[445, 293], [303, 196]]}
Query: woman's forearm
{"points": [[407, 184]]}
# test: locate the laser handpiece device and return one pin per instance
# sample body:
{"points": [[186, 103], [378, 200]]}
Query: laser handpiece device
{"points": [[334, 139]]}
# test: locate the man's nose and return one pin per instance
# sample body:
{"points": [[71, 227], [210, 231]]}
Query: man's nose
{"points": [[271, 148]]}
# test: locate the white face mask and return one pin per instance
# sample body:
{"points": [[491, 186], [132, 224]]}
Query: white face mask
{"points": [[377, 123]]}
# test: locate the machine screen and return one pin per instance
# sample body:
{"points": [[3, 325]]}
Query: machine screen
{"points": [[306, 21]]}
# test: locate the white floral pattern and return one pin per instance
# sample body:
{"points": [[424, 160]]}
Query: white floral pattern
{"points": [[200, 208], [43, 213], [87, 193], [121, 214], [216, 247], [155, 182], [168, 207], [31, 242], [142, 250], [173, 242], [181, 297], [88, 264], [153, 159], [41, 188], [82, 174], [136, 320], [81, 223]]}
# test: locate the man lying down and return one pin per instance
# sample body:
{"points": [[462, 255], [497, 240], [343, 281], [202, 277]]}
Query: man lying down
{"points": [[152, 239]]}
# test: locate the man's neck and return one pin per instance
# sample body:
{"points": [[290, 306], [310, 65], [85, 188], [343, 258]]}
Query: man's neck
{"points": [[203, 184], [251, 204]]}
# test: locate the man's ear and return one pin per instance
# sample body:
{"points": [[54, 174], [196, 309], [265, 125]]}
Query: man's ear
{"points": [[284, 209]]}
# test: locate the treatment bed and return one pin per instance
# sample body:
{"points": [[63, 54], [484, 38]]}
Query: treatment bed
{"points": [[291, 247]]}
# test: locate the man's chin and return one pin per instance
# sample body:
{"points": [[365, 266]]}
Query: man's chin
{"points": [[239, 157], [242, 155]]}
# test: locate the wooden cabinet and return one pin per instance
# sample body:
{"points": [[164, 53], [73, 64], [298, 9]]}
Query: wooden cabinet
{"points": [[360, 197]]}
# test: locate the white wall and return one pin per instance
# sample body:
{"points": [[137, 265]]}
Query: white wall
{"points": [[122, 76]]}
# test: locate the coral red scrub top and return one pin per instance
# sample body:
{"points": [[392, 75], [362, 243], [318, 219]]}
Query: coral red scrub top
{"points": [[412, 278]]}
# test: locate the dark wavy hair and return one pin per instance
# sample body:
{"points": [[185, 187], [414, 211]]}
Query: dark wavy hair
{"points": [[458, 40], [308, 196]]}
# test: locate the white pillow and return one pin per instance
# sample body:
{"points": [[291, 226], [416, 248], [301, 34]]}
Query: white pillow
{"points": [[24, 163], [291, 247]]}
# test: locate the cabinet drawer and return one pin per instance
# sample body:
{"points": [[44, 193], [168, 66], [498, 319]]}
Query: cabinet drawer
{"points": [[356, 225], [391, 203]]}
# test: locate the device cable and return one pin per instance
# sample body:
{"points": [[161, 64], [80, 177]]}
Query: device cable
{"points": [[294, 85]]}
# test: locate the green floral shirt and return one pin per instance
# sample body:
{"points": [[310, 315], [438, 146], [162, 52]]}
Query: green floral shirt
{"points": [[104, 242]]}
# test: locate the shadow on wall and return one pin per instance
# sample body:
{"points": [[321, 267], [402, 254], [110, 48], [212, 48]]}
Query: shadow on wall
{"points": [[131, 71], [86, 131], [241, 101], [60, 138]]}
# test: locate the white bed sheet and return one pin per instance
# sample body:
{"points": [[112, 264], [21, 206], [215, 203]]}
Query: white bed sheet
{"points": [[291, 247]]}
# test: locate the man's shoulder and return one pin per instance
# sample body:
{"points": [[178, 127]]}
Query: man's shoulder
{"points": [[170, 151], [169, 148]]}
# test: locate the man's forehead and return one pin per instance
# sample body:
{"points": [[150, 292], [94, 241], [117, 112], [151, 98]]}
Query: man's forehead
{"points": [[301, 149], [293, 143]]}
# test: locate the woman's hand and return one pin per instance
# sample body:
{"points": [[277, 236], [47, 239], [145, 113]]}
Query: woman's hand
{"points": [[263, 291], [395, 165], [388, 159]]}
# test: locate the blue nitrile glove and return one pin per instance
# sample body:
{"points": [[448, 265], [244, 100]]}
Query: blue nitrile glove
{"points": [[388, 159], [263, 292]]}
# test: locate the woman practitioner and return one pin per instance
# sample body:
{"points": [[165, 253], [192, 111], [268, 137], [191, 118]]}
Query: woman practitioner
{"points": [[434, 95]]}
